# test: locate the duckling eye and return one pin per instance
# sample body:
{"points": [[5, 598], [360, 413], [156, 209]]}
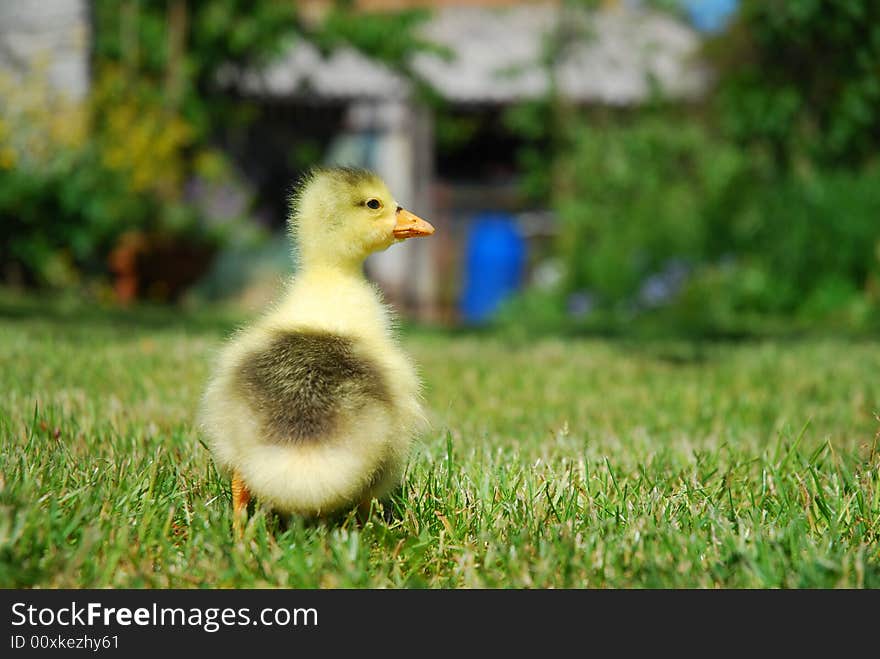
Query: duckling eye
{"points": [[375, 204]]}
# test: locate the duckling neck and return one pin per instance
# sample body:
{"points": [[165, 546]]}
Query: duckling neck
{"points": [[325, 277], [335, 296], [339, 267]]}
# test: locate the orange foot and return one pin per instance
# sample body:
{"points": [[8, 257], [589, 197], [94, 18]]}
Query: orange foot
{"points": [[240, 498]]}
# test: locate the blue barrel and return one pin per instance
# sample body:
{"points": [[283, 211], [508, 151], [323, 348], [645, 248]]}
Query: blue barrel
{"points": [[494, 263], [710, 15]]}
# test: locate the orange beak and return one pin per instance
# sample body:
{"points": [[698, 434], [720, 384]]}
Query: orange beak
{"points": [[410, 226]]}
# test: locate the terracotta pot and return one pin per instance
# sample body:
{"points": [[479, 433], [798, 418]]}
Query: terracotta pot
{"points": [[156, 267]]}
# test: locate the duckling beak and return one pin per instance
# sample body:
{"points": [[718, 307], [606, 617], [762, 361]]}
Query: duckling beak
{"points": [[410, 226]]}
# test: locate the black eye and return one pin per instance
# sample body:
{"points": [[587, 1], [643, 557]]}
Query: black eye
{"points": [[375, 204]]}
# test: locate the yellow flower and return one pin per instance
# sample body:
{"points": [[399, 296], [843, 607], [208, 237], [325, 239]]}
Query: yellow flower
{"points": [[7, 158]]}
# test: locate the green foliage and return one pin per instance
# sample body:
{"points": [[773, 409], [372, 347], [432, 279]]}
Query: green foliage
{"points": [[634, 200], [536, 123], [801, 79], [389, 37], [662, 222], [764, 202], [179, 47], [68, 193], [392, 38], [452, 131], [801, 244], [63, 217]]}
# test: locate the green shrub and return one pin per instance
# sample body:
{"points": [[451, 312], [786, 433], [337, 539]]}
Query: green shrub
{"points": [[804, 245], [76, 178], [799, 80], [634, 200], [62, 217], [663, 223]]}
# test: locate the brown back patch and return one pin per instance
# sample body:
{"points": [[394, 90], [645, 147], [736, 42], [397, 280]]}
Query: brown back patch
{"points": [[300, 383]]}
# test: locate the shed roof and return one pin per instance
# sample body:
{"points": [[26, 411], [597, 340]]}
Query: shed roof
{"points": [[620, 56]]}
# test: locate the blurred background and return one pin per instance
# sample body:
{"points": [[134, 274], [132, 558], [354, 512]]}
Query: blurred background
{"points": [[705, 167]]}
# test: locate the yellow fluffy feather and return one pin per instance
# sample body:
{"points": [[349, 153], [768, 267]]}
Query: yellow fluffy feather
{"points": [[314, 406]]}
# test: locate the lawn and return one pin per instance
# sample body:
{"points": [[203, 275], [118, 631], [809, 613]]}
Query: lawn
{"points": [[550, 463]]}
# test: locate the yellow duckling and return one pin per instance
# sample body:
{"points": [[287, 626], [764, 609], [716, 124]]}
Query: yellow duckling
{"points": [[313, 408]]}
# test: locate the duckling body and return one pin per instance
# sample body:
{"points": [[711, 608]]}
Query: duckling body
{"points": [[314, 407]]}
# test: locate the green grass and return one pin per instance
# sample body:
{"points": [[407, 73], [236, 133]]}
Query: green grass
{"points": [[563, 463]]}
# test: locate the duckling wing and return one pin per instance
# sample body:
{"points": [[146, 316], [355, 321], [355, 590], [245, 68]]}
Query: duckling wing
{"points": [[303, 382]]}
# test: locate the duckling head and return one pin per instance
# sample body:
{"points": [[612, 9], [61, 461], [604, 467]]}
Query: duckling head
{"points": [[341, 215]]}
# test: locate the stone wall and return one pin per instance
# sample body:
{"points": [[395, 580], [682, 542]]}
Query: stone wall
{"points": [[46, 37]]}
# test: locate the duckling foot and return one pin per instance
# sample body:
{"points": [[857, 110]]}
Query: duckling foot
{"points": [[240, 498]]}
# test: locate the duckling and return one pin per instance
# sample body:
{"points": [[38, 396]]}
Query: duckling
{"points": [[313, 407]]}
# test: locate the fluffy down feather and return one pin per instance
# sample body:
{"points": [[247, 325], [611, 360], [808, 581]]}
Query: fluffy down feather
{"points": [[315, 405]]}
